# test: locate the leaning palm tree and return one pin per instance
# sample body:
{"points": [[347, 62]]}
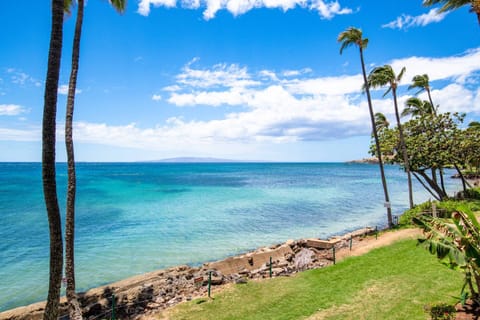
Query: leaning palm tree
{"points": [[416, 107], [48, 161], [422, 83], [74, 308], [455, 4], [381, 121], [349, 37], [382, 76]]}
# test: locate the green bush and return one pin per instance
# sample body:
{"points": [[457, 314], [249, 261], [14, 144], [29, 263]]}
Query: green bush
{"points": [[442, 312], [473, 193], [448, 206], [406, 217]]}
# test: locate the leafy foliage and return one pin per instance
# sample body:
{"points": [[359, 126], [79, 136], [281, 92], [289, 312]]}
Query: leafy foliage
{"points": [[455, 242]]}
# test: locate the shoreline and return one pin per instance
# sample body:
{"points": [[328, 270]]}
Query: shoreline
{"points": [[156, 291]]}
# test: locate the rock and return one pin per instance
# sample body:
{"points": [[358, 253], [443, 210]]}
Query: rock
{"points": [[241, 280], [303, 259]]}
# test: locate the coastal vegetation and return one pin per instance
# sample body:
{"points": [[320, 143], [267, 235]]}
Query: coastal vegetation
{"points": [[455, 4], [382, 76], [347, 38], [399, 281]]}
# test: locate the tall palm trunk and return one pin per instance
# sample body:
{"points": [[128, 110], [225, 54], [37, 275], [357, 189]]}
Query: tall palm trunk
{"points": [[48, 161], [74, 307], [377, 142], [404, 148]]}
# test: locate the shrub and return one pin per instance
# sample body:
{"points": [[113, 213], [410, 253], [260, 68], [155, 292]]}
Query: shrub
{"points": [[442, 312]]}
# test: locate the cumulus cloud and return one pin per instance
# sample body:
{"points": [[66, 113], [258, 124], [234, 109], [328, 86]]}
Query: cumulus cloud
{"points": [[458, 67], [276, 107], [11, 110], [325, 8], [407, 21]]}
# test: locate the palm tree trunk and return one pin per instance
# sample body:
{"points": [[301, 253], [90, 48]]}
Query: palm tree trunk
{"points": [[377, 143], [430, 100], [48, 161], [75, 311], [404, 148]]}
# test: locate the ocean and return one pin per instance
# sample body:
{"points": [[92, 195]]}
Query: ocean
{"points": [[133, 218]]}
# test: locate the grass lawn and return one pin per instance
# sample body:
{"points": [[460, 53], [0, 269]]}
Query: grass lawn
{"points": [[393, 282]]}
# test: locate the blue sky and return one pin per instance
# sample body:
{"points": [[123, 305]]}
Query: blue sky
{"points": [[235, 79]]}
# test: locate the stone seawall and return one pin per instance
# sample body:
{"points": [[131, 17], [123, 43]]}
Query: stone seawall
{"points": [[156, 290]]}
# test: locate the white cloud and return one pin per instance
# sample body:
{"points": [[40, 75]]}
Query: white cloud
{"points": [[156, 97], [326, 9], [270, 107], [22, 78], [406, 21], [144, 5], [293, 73], [8, 134], [63, 89], [11, 110], [457, 68]]}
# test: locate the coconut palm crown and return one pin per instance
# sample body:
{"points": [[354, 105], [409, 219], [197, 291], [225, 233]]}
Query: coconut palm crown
{"points": [[455, 4], [417, 107]]}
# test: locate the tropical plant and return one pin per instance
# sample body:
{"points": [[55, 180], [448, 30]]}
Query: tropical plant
{"points": [[381, 122], [48, 161], [347, 38], [431, 142], [422, 82], [456, 242], [74, 308], [455, 4], [415, 107], [469, 148], [381, 76]]}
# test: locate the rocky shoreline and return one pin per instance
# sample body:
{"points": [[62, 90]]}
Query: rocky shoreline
{"points": [[141, 295]]}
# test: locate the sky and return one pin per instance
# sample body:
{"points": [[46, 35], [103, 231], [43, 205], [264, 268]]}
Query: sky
{"points": [[233, 79]]}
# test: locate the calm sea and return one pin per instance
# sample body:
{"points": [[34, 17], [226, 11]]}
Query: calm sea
{"points": [[137, 217]]}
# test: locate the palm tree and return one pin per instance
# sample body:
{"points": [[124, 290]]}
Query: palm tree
{"points": [[381, 121], [423, 84], [415, 107], [455, 4], [48, 161], [74, 308], [382, 76], [349, 37]]}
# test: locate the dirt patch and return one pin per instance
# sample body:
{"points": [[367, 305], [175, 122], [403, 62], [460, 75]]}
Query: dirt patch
{"points": [[364, 245]]}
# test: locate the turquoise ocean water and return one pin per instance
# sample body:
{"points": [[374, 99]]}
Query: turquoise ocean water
{"points": [[134, 218]]}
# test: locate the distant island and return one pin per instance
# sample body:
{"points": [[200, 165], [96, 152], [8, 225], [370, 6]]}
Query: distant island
{"points": [[199, 160], [371, 160]]}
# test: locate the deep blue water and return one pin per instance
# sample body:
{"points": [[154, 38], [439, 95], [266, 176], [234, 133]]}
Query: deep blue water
{"points": [[137, 217]]}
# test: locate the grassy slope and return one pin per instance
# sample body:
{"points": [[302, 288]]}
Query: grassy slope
{"points": [[393, 282]]}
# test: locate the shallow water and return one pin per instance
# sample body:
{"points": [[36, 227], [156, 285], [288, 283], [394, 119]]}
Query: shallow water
{"points": [[137, 217]]}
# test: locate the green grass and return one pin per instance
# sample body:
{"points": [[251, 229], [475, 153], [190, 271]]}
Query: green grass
{"points": [[393, 282]]}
